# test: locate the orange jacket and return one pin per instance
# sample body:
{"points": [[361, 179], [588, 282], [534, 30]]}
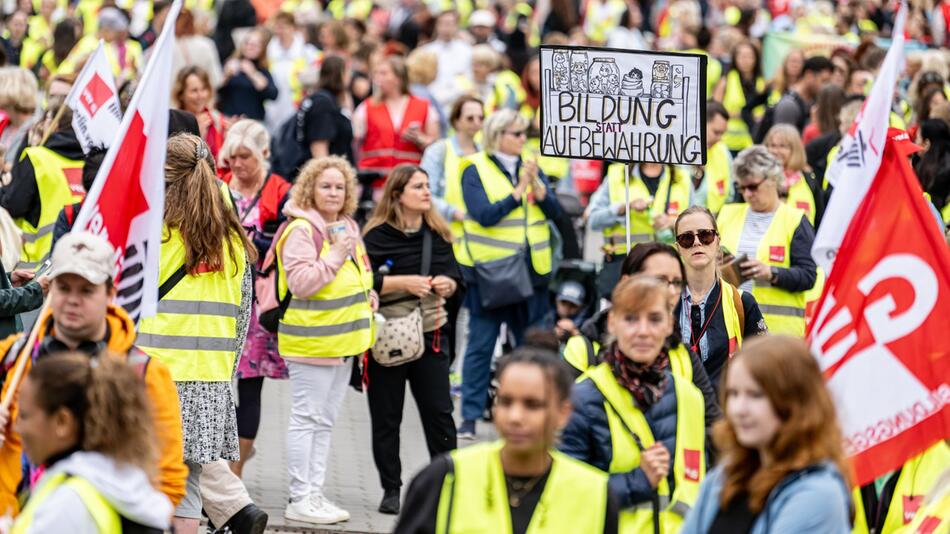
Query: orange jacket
{"points": [[161, 391]]}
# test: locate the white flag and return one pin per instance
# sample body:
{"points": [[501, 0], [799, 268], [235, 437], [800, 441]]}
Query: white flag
{"points": [[126, 203], [95, 102], [861, 149]]}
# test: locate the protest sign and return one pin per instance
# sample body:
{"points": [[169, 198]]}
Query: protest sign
{"points": [[623, 105]]}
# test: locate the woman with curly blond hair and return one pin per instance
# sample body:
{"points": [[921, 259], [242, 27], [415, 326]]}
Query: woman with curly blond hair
{"points": [[783, 468], [325, 284]]}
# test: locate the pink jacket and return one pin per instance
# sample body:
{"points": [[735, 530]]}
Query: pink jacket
{"points": [[306, 271]]}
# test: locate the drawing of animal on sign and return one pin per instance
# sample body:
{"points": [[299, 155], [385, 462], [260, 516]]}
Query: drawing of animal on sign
{"points": [[622, 105]]}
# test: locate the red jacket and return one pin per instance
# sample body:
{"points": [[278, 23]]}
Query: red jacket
{"points": [[384, 147], [275, 189]]}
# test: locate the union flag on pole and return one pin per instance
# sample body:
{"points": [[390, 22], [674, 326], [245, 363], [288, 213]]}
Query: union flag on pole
{"points": [[95, 102], [127, 199], [881, 321]]}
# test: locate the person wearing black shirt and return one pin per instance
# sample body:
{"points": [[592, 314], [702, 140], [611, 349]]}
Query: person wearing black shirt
{"points": [[525, 481], [327, 126], [708, 302]]}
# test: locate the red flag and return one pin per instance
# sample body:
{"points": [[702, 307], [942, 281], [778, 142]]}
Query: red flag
{"points": [[881, 320], [126, 202]]}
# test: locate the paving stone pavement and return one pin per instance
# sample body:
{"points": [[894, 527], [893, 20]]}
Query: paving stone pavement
{"points": [[352, 481]]}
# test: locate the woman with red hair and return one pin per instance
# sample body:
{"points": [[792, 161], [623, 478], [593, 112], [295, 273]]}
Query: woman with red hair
{"points": [[782, 465]]}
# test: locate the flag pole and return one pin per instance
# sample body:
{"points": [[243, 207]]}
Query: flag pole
{"points": [[626, 199], [20, 366]]}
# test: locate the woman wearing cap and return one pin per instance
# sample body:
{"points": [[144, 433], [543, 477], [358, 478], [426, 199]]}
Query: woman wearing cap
{"points": [[635, 418], [714, 317], [396, 237], [258, 195], [325, 284], [203, 310], [774, 238]]}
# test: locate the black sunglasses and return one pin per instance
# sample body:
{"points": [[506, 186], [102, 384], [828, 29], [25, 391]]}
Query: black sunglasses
{"points": [[688, 239], [752, 188]]}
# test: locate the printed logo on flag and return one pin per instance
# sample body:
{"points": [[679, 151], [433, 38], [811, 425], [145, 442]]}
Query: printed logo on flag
{"points": [[777, 254], [911, 505], [95, 94], [691, 461]]}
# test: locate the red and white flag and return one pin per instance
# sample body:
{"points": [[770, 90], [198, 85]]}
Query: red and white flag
{"points": [[861, 149], [94, 101], [880, 322], [126, 203]]}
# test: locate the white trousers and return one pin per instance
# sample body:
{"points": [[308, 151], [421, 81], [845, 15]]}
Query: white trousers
{"points": [[317, 394]]}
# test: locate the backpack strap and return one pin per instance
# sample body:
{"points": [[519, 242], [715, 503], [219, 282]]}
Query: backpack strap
{"points": [[138, 361], [171, 282], [591, 355], [740, 308]]}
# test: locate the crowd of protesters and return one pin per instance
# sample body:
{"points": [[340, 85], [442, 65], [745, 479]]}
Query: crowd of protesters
{"points": [[355, 197]]}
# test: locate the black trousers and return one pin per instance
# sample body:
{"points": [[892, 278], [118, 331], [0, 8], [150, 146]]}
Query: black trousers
{"points": [[428, 379], [249, 406]]}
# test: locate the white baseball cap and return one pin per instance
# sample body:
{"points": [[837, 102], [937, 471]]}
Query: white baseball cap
{"points": [[84, 254]]}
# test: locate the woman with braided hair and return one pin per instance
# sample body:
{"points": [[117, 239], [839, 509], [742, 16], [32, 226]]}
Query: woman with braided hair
{"points": [[203, 309]]}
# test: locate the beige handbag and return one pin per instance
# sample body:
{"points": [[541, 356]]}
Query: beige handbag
{"points": [[401, 339]]}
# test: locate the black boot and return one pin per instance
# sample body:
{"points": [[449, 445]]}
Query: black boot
{"points": [[390, 502], [249, 520]]}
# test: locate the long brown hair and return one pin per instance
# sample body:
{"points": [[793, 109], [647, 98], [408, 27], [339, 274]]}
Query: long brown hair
{"points": [[107, 399], [788, 374], [389, 209], [195, 205]]}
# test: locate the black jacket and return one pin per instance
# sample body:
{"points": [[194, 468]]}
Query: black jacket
{"points": [[21, 198]]}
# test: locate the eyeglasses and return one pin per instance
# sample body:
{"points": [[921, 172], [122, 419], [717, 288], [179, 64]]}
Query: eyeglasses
{"points": [[519, 133], [752, 188], [674, 284], [688, 239]]}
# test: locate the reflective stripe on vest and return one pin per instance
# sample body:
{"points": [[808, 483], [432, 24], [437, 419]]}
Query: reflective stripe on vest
{"points": [[641, 223], [718, 177], [731, 316], [334, 322], [917, 478], [384, 148], [195, 330], [737, 136], [801, 197], [689, 462], [105, 517], [508, 236], [783, 310], [474, 496], [58, 182]]}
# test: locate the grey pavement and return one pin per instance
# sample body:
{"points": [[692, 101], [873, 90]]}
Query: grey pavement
{"points": [[352, 481]]}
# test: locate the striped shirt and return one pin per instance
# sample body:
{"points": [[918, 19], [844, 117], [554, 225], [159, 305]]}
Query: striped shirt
{"points": [[756, 225]]}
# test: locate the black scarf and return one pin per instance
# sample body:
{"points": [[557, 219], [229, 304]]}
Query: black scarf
{"points": [[645, 382]]}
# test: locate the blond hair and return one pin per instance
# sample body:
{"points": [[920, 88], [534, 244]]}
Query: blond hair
{"points": [[249, 134], [496, 124], [423, 66], [484, 54], [789, 134], [304, 192], [18, 90]]}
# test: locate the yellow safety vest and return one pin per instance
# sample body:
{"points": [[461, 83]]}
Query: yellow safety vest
{"points": [[507, 92], [103, 514], [783, 310], [334, 322], [945, 213], [505, 239], [934, 517], [554, 167], [452, 171], [40, 30], [474, 496], [89, 43], [641, 222], [713, 70], [195, 332], [59, 182], [601, 18], [30, 52], [358, 9], [689, 462], [731, 316], [917, 477], [801, 197], [737, 136], [718, 177]]}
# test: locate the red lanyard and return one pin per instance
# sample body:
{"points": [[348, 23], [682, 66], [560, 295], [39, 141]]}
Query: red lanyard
{"points": [[694, 340]]}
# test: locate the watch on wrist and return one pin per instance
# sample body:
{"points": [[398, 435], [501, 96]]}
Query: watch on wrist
{"points": [[774, 275]]}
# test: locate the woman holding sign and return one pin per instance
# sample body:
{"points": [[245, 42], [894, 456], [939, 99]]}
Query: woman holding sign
{"points": [[658, 193], [771, 240]]}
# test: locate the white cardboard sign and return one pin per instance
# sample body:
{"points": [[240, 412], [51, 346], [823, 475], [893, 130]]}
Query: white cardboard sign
{"points": [[623, 105]]}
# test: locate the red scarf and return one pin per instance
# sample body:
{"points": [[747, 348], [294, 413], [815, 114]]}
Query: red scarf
{"points": [[645, 382]]}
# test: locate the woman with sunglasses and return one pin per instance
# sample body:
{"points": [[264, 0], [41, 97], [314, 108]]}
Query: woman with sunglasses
{"points": [[714, 317], [442, 159], [771, 240]]}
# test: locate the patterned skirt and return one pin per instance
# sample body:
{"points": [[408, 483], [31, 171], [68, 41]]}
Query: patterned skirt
{"points": [[208, 421]]}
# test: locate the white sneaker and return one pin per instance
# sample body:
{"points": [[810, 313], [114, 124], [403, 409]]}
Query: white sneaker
{"points": [[304, 511], [319, 502]]}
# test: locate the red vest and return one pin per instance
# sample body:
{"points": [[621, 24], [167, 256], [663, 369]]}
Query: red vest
{"points": [[384, 147]]}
